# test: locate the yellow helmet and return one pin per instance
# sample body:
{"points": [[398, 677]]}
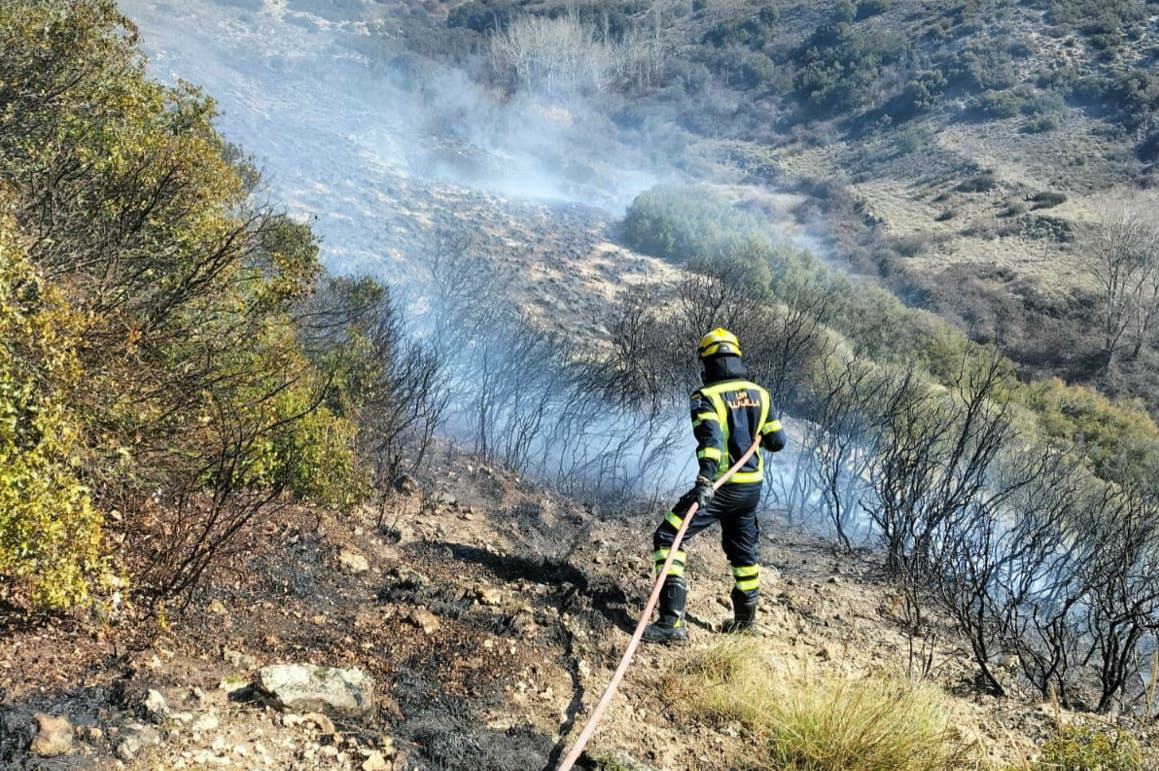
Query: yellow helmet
{"points": [[718, 342]]}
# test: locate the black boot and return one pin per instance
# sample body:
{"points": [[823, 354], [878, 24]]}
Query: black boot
{"points": [[669, 628], [744, 612]]}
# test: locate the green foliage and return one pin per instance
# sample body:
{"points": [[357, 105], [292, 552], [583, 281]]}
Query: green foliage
{"points": [[924, 89], [1104, 429], [50, 535], [998, 104], [159, 361], [1076, 748], [841, 64], [694, 225], [755, 33], [867, 8], [983, 64], [981, 183], [482, 15], [1048, 199], [1040, 124]]}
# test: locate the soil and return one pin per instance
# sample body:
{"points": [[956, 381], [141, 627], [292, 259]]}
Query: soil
{"points": [[491, 615]]}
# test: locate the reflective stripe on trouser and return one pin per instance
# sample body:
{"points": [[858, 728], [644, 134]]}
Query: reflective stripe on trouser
{"points": [[677, 566], [746, 577], [735, 507]]}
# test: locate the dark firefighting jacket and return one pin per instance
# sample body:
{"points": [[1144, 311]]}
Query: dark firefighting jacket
{"points": [[727, 413]]}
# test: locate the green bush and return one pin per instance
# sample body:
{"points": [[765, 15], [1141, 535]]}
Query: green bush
{"points": [[1048, 198], [1040, 124], [148, 359], [924, 89], [50, 534], [868, 8], [998, 104], [840, 65], [1077, 748]]}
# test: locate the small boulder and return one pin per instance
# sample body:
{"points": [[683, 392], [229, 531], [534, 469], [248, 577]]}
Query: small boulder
{"points": [[156, 708], [424, 620], [375, 761], [309, 688], [137, 738], [205, 723], [353, 561], [324, 724], [489, 595], [53, 736]]}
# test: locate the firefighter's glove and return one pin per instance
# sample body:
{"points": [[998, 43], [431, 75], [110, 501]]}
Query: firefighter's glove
{"points": [[704, 492]]}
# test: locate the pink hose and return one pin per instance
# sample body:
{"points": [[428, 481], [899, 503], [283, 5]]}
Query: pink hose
{"points": [[597, 713]]}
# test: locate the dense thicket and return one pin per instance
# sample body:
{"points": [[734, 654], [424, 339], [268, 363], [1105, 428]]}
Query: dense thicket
{"points": [[155, 378]]}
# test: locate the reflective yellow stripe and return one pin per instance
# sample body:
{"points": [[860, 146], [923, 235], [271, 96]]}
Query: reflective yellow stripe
{"points": [[673, 520], [746, 477], [709, 452], [704, 417], [721, 416], [772, 427], [675, 569], [662, 554], [713, 393], [747, 577]]}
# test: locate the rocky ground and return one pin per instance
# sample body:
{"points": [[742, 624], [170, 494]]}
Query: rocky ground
{"points": [[486, 614]]}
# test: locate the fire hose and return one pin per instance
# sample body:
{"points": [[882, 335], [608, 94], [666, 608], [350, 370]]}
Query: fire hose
{"points": [[590, 726]]}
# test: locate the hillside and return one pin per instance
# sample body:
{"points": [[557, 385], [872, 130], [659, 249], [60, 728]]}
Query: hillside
{"points": [[490, 614], [374, 355]]}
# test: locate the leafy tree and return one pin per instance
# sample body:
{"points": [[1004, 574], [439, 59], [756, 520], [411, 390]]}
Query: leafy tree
{"points": [[170, 380]]}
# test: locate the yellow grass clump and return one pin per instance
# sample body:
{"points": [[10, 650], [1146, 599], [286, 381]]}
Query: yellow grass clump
{"points": [[803, 721]]}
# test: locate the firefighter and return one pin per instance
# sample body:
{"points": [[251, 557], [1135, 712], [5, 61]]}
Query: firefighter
{"points": [[728, 411]]}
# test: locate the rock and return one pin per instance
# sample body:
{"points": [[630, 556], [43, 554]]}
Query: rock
{"points": [[424, 620], [156, 708], [205, 723], [232, 683], [325, 724], [390, 707], [53, 736], [309, 688], [489, 595], [353, 561], [216, 607], [238, 659], [137, 738], [375, 762]]}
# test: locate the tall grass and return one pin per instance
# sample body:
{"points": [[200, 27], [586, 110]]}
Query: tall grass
{"points": [[823, 722]]}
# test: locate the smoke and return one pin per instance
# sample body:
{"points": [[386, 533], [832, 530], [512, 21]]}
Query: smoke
{"points": [[378, 148], [333, 114]]}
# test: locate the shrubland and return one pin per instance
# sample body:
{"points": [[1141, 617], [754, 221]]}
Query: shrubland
{"points": [[175, 363]]}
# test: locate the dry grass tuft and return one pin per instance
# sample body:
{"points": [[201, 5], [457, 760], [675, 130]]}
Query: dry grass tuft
{"points": [[824, 721]]}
